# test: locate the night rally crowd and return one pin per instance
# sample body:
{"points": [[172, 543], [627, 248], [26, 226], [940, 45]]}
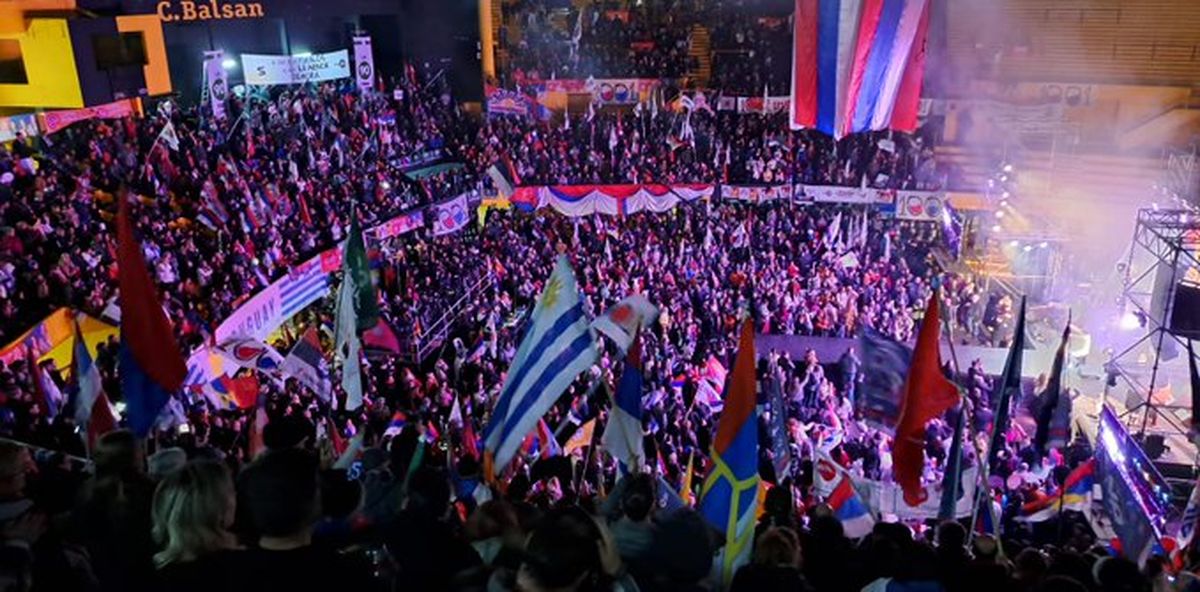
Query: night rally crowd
{"points": [[274, 184]]}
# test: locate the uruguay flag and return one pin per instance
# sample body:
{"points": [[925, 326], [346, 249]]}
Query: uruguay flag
{"points": [[557, 347], [623, 435], [150, 363], [729, 498], [857, 65]]}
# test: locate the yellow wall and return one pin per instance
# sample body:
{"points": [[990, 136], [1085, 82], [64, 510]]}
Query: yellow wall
{"points": [[49, 65], [158, 77]]}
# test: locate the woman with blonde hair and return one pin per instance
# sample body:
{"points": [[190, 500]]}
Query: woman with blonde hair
{"points": [[193, 510]]}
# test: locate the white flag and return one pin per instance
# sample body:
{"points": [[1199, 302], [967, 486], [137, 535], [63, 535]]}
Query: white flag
{"points": [[621, 322], [348, 345], [169, 137]]}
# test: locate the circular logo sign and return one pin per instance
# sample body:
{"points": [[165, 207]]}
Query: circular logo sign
{"points": [[218, 90], [622, 93], [914, 206], [606, 92], [933, 207], [364, 70]]}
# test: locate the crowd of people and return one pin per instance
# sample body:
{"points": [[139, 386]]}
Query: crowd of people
{"points": [[392, 494]]}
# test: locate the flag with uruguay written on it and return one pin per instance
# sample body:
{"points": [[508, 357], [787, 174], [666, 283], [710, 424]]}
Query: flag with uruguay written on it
{"points": [[150, 363], [557, 347], [729, 497], [857, 65], [1076, 495], [623, 435]]}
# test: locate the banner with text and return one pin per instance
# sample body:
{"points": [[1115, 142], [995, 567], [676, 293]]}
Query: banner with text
{"points": [[756, 193], [281, 69], [364, 63], [53, 121]]}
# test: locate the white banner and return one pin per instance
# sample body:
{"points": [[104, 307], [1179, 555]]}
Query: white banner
{"points": [[451, 216], [887, 498], [280, 69], [847, 195], [218, 85], [364, 63], [756, 193]]}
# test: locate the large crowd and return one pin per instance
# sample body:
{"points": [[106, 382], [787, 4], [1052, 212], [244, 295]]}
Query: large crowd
{"points": [[276, 182]]}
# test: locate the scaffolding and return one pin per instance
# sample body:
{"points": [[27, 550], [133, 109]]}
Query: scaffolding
{"points": [[1166, 245]]}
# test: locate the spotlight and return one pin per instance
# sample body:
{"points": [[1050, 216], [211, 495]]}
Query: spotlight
{"points": [[999, 214], [991, 183], [385, 184], [1129, 322], [1028, 248], [1008, 168], [1014, 244], [229, 63], [996, 228], [1003, 178], [1044, 245], [1005, 195], [1004, 203]]}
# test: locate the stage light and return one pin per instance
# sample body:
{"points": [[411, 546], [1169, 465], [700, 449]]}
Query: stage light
{"points": [[304, 53], [1003, 178], [1005, 195], [385, 185], [1008, 168], [1004, 203], [996, 228], [1028, 248], [1110, 444], [1044, 245], [999, 214], [1014, 244], [229, 63], [1129, 322], [991, 183]]}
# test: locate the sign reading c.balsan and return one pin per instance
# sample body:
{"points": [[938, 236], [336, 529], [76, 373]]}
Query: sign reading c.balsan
{"points": [[203, 10]]}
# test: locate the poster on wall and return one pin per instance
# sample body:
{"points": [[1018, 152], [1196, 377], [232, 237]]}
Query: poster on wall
{"points": [[364, 63], [281, 69]]}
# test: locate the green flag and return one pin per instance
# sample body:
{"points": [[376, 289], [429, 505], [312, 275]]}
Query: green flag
{"points": [[354, 263], [1010, 382]]}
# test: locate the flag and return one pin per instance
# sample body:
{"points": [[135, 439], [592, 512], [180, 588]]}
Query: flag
{"points": [[381, 339], [952, 478], [856, 64], [621, 322], [101, 421], [927, 394], [150, 364], [848, 507], [1075, 494], [623, 435], [256, 445], [1010, 382], [45, 392], [456, 416], [540, 442], [1187, 524], [1054, 406], [169, 137], [251, 354], [504, 176], [307, 364], [396, 424], [354, 262], [86, 378], [557, 347], [729, 496], [348, 345], [989, 519], [582, 437]]}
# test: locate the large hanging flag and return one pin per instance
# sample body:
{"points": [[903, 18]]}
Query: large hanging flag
{"points": [[86, 378], [729, 497], [1075, 494], [927, 394], [1009, 383], [885, 364], [857, 65], [621, 322], [557, 347], [623, 435], [356, 263], [150, 364], [348, 345], [306, 363], [1054, 406]]}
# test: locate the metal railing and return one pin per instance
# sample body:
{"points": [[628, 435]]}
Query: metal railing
{"points": [[440, 328]]}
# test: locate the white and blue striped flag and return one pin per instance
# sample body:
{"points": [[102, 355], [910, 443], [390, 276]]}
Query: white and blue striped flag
{"points": [[558, 346]]}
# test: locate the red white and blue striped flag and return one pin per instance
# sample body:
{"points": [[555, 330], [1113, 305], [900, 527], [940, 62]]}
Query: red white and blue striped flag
{"points": [[857, 65]]}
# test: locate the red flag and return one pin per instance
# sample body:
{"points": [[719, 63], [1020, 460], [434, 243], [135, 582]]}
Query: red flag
{"points": [[927, 394], [335, 436], [381, 338], [244, 391]]}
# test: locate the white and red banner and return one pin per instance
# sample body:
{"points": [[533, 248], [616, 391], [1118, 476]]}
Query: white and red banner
{"points": [[920, 205], [613, 200], [402, 224], [364, 63], [53, 121]]}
